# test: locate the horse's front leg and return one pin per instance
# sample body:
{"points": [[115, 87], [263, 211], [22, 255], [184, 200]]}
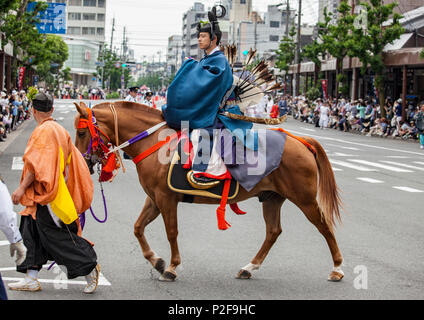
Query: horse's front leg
{"points": [[168, 207], [149, 213]]}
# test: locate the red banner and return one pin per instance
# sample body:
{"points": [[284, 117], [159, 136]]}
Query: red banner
{"points": [[324, 88], [21, 76]]}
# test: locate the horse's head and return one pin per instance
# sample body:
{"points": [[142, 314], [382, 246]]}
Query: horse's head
{"points": [[84, 139]]}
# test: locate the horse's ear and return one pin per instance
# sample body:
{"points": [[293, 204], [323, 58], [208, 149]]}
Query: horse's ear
{"points": [[81, 110]]}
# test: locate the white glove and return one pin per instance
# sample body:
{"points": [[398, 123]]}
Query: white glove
{"points": [[20, 250]]}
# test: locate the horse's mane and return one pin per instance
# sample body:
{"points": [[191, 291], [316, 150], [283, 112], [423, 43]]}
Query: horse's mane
{"points": [[136, 110], [134, 107]]}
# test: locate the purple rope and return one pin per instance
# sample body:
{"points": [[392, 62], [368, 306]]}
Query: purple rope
{"points": [[104, 204], [138, 137]]}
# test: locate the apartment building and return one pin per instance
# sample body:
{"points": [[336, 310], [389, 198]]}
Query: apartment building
{"points": [[85, 37]]}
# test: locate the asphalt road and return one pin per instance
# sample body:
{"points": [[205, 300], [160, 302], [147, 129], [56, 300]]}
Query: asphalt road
{"points": [[381, 239]]}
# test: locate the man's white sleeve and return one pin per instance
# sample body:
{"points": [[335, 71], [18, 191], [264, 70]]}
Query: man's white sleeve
{"points": [[8, 219]]}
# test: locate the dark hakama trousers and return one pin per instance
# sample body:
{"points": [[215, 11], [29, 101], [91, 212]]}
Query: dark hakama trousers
{"points": [[3, 295], [46, 241]]}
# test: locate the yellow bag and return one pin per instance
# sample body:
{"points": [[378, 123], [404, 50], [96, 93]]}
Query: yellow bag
{"points": [[63, 206]]}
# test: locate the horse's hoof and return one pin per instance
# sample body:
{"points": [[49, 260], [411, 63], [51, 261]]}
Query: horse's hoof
{"points": [[335, 276], [244, 274], [168, 276], [160, 265]]}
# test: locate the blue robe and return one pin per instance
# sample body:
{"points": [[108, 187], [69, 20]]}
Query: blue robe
{"points": [[197, 90], [196, 93]]}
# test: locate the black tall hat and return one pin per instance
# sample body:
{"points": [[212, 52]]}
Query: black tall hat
{"points": [[212, 26]]}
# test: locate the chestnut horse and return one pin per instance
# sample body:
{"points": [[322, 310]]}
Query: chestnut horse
{"points": [[299, 178]]}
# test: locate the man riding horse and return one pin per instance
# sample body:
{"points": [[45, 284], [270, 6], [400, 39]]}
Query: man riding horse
{"points": [[198, 94]]}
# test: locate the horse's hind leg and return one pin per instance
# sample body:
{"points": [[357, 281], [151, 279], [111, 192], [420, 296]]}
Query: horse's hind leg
{"points": [[149, 213], [272, 212], [313, 213], [168, 208]]}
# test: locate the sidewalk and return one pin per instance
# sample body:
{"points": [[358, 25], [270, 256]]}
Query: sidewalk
{"points": [[364, 133]]}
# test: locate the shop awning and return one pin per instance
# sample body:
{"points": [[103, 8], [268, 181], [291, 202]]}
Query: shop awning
{"points": [[404, 57], [399, 43]]}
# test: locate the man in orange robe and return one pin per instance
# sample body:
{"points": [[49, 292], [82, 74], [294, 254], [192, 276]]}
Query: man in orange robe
{"points": [[45, 235]]}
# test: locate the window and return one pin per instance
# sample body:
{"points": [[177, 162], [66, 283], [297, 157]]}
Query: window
{"points": [[89, 16], [90, 3], [101, 3], [74, 16], [100, 17], [74, 30], [274, 24], [89, 31], [100, 31], [76, 3], [273, 38]]}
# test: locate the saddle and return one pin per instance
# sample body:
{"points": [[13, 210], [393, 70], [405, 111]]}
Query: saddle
{"points": [[179, 179]]}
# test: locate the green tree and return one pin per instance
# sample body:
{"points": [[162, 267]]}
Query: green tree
{"points": [[50, 58], [286, 53], [337, 40], [368, 43], [151, 81], [20, 30], [5, 6]]}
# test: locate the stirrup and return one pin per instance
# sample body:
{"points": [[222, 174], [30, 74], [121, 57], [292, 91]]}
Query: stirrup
{"points": [[199, 185]]}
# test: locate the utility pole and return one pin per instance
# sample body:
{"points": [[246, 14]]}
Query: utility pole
{"points": [[256, 27], [287, 18], [297, 56], [111, 38]]}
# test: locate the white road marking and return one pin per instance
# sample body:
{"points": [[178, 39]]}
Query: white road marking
{"points": [[379, 165], [352, 166], [356, 143], [339, 154], [18, 163], [407, 189], [307, 129], [102, 280], [347, 148], [403, 165], [370, 180], [419, 162], [4, 243]]}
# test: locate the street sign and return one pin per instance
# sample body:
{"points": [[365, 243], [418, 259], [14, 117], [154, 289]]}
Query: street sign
{"points": [[53, 20]]}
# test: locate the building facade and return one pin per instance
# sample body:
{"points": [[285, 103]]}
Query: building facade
{"points": [[174, 54], [265, 34], [189, 34], [85, 37]]}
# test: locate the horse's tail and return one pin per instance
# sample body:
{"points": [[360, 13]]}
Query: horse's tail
{"points": [[328, 192]]}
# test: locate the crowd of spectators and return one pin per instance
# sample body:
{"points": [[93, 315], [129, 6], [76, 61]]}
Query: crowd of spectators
{"points": [[14, 110], [362, 115]]}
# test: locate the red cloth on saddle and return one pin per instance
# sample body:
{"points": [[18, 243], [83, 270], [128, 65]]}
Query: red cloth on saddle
{"points": [[275, 112]]}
